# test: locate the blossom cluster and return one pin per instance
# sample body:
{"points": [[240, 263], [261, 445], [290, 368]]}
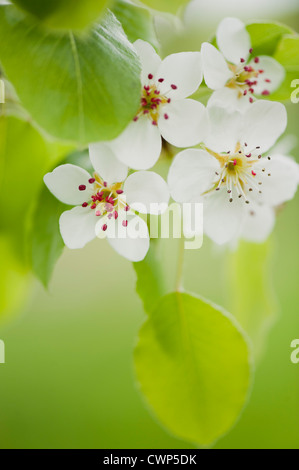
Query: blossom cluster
{"points": [[233, 167]]}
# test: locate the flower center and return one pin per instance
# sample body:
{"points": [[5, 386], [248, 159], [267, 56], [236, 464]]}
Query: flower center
{"points": [[246, 78], [152, 101], [238, 174], [106, 200]]}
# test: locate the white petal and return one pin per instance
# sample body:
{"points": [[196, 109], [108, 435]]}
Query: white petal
{"points": [[149, 59], [144, 190], [191, 174], [283, 181], [139, 146], [224, 129], [229, 98], [64, 183], [263, 124], [184, 70], [77, 226], [273, 71], [215, 69], [233, 40], [186, 124], [258, 223], [106, 164], [133, 242], [223, 220]]}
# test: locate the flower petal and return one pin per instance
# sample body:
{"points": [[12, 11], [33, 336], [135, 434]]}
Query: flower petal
{"points": [[106, 164], [139, 146], [149, 59], [224, 129], [183, 70], [191, 174], [144, 190], [263, 124], [258, 223], [215, 69], [77, 226], [282, 183], [223, 220], [273, 71], [132, 241], [64, 183], [229, 98], [233, 40], [183, 123]]}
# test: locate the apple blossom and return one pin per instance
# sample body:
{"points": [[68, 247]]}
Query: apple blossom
{"points": [[233, 70], [105, 202], [234, 176], [163, 110]]}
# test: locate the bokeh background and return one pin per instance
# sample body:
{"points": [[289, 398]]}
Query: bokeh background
{"points": [[68, 381]]}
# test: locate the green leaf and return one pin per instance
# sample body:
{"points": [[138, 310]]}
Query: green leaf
{"points": [[47, 243], [253, 301], [14, 279], [136, 21], [193, 366], [150, 282], [81, 88], [266, 36], [64, 14], [169, 6], [25, 155]]}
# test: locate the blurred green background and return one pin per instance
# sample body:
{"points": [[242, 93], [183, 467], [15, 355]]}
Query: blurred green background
{"points": [[68, 381]]}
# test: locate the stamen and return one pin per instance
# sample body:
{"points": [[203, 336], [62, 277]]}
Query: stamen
{"points": [[174, 87], [150, 76], [82, 187], [85, 204], [104, 227], [125, 223], [91, 180]]}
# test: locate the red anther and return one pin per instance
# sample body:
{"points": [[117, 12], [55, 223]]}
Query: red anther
{"points": [[150, 76], [127, 208], [104, 227], [256, 60], [251, 100], [153, 106], [174, 87], [85, 204], [154, 123], [91, 180], [93, 206], [98, 213], [169, 100], [82, 187], [235, 162], [253, 173], [105, 184], [125, 223], [267, 80], [146, 111], [251, 90], [249, 155], [242, 60], [146, 87], [261, 71], [266, 93], [157, 92], [110, 200], [115, 214], [135, 118], [161, 80], [245, 92], [119, 191], [166, 116], [250, 50]]}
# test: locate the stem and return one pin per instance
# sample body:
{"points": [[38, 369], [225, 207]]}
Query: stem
{"points": [[180, 266]]}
